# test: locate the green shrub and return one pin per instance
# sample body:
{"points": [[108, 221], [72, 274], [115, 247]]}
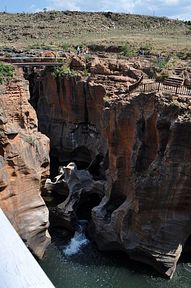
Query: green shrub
{"points": [[187, 22], [64, 70], [85, 73], [127, 51], [66, 47], [160, 63], [6, 72]]}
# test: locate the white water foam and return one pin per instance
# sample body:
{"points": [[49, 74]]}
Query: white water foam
{"points": [[77, 242]]}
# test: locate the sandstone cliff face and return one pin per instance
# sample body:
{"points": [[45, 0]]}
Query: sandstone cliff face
{"points": [[146, 212], [70, 113], [144, 146], [24, 161]]}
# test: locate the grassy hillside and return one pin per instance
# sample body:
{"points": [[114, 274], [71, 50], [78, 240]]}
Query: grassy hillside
{"points": [[60, 30]]}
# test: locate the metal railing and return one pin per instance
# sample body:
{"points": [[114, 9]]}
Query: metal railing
{"points": [[157, 86], [136, 84]]}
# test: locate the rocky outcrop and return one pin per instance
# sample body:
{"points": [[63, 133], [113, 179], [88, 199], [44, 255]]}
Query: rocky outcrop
{"points": [[24, 162], [146, 211], [141, 146], [84, 192]]}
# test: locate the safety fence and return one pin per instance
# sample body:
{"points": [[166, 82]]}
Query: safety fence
{"points": [[157, 86]]}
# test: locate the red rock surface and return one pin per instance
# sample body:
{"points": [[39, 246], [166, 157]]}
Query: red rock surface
{"points": [[146, 212], [69, 113], [145, 143], [24, 162]]}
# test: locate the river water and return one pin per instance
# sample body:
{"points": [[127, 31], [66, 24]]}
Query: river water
{"points": [[78, 264]]}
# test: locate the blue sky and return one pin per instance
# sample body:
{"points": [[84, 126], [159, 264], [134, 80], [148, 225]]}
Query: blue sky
{"points": [[180, 9]]}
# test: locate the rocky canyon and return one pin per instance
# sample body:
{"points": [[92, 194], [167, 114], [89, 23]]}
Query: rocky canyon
{"points": [[119, 158]]}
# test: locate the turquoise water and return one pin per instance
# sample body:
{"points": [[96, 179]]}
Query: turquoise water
{"points": [[80, 265]]}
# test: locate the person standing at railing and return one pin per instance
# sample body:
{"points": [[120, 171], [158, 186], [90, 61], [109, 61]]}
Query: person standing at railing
{"points": [[78, 50], [141, 52]]}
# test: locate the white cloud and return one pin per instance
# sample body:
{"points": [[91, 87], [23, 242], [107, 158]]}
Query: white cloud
{"points": [[172, 2], [183, 14], [120, 5], [65, 5], [170, 8]]}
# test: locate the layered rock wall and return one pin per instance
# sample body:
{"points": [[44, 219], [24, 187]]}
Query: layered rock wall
{"points": [[149, 153], [144, 142], [24, 162], [70, 113]]}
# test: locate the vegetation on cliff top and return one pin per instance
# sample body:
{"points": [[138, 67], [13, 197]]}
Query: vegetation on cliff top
{"points": [[63, 30], [6, 72], [64, 70]]}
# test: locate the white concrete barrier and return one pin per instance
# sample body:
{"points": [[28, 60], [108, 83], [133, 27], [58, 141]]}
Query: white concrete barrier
{"points": [[18, 268]]}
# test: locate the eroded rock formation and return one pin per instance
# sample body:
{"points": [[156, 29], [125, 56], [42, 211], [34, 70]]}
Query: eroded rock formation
{"points": [[70, 113], [24, 162], [146, 211], [83, 193], [143, 142]]}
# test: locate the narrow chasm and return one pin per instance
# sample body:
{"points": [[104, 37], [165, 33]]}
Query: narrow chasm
{"points": [[78, 152], [118, 169]]}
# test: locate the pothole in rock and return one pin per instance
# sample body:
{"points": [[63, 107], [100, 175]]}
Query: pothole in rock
{"points": [[74, 194], [86, 204]]}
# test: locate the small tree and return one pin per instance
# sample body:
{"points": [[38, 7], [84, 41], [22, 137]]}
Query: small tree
{"points": [[6, 72]]}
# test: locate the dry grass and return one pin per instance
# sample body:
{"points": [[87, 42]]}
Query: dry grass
{"points": [[64, 29]]}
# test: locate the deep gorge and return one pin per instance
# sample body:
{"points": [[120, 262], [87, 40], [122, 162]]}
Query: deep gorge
{"points": [[125, 166]]}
